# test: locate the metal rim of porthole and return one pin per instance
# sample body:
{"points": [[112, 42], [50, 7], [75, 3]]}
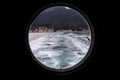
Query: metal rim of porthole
{"points": [[75, 67]]}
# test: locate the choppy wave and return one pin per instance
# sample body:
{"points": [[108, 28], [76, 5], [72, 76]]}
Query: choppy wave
{"points": [[59, 50]]}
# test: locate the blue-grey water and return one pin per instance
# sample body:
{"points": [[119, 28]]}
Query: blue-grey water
{"points": [[59, 50]]}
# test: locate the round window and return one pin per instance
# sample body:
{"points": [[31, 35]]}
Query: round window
{"points": [[60, 38]]}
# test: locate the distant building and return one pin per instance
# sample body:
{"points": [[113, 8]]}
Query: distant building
{"points": [[44, 29]]}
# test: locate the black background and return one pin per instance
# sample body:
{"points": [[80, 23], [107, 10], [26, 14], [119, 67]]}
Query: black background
{"points": [[19, 63]]}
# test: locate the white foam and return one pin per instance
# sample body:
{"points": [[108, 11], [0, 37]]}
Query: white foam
{"points": [[71, 41]]}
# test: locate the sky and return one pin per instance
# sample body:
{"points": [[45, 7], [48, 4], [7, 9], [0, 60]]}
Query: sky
{"points": [[59, 15]]}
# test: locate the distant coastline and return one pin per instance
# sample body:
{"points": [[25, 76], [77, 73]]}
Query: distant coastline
{"points": [[45, 29]]}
